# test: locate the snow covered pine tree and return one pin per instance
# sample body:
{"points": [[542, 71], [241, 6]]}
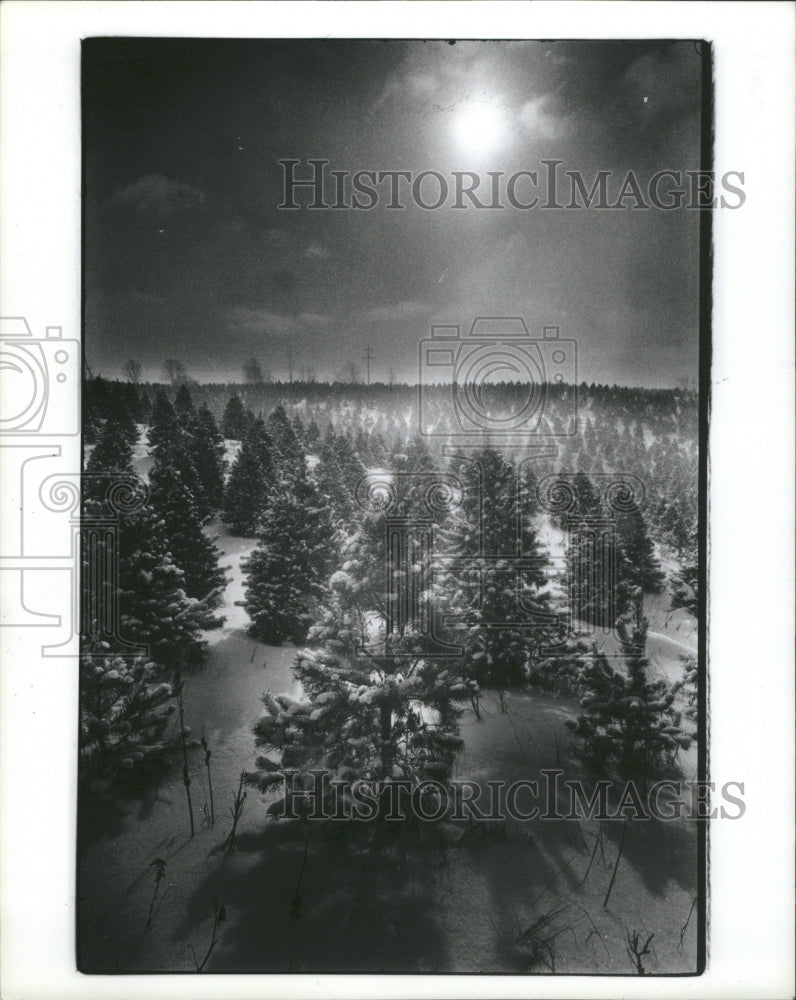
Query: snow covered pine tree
{"points": [[372, 712]]}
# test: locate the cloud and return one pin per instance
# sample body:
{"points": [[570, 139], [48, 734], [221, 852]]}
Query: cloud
{"points": [[667, 78], [397, 312], [154, 194], [245, 319], [536, 120], [146, 298], [316, 250]]}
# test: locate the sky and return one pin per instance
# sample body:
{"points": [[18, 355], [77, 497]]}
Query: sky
{"points": [[188, 256]]}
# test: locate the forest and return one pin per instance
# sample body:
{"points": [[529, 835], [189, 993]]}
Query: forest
{"points": [[283, 579]]}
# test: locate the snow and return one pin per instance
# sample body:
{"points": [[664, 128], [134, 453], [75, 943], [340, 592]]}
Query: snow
{"points": [[233, 551], [455, 903]]}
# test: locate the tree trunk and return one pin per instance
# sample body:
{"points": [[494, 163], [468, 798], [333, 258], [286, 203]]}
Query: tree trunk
{"points": [[385, 720]]}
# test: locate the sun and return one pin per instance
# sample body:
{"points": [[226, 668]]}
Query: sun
{"points": [[478, 125]]}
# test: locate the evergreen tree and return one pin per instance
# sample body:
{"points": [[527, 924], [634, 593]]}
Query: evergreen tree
{"points": [[111, 455], [338, 474], [505, 615], [288, 570], [312, 437], [184, 409], [124, 712], [233, 423], [246, 493], [298, 429], [638, 565], [146, 602], [286, 450], [209, 458], [259, 438], [686, 580], [591, 558], [154, 609], [628, 720], [174, 456], [90, 423], [162, 420], [389, 715], [190, 548], [122, 418]]}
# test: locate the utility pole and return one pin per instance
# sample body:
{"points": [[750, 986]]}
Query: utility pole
{"points": [[368, 355]]}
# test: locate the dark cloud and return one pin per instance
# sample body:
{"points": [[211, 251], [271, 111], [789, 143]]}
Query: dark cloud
{"points": [[188, 255], [159, 196]]}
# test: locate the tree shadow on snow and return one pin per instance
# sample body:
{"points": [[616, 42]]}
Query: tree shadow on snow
{"points": [[340, 900]]}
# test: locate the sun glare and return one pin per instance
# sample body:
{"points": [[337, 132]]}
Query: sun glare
{"points": [[478, 125]]}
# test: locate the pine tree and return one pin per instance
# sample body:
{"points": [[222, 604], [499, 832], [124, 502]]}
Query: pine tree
{"points": [[175, 456], [190, 548], [505, 615], [246, 493], [233, 423], [154, 609], [124, 712], [288, 570], [122, 418], [312, 436], [111, 455], [162, 420], [638, 565], [338, 473], [145, 602], [209, 458], [298, 429], [592, 558], [184, 409], [628, 720], [686, 580], [376, 719], [390, 714], [286, 450]]}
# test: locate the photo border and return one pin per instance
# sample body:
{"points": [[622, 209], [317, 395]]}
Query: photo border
{"points": [[41, 236]]}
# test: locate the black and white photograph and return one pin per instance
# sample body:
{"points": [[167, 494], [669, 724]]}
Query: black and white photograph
{"points": [[391, 506], [393, 538]]}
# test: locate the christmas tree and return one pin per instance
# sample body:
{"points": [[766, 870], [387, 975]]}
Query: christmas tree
{"points": [[377, 707], [122, 417], [686, 579], [288, 570], [638, 564], [162, 420], [209, 458], [111, 456], [286, 450], [155, 610], [175, 456], [246, 493], [234, 423], [184, 409], [628, 721], [124, 713], [504, 614], [591, 557], [190, 548]]}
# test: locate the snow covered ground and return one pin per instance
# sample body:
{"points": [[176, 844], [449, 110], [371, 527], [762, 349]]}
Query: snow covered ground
{"points": [[459, 899]]}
